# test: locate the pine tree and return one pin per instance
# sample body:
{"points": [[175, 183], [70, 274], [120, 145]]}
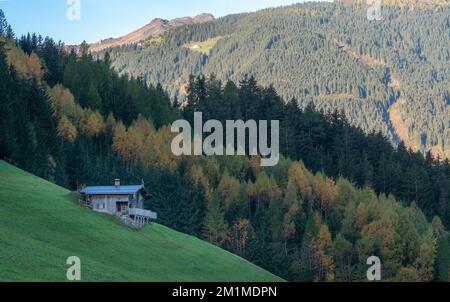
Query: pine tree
{"points": [[215, 226], [3, 23], [6, 106], [442, 265], [93, 99]]}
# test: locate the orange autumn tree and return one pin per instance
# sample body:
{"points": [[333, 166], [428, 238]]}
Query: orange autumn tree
{"points": [[120, 143], [239, 235], [265, 190], [94, 124], [62, 101], [323, 259], [199, 178], [35, 66], [141, 143], [27, 66], [300, 177], [325, 191], [67, 130], [228, 189]]}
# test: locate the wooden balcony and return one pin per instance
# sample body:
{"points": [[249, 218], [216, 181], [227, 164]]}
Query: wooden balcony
{"points": [[142, 213]]}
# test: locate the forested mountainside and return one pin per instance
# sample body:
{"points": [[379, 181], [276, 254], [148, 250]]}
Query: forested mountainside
{"points": [[390, 75], [337, 196]]}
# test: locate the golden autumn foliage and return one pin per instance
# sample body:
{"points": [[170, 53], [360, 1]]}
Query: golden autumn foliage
{"points": [[362, 215], [238, 236], [424, 262], [325, 190], [35, 66], [314, 188], [438, 227], [299, 176], [119, 144], [141, 143], [291, 196], [384, 232], [321, 246], [198, 177], [264, 190], [212, 170], [157, 150], [288, 226], [62, 101], [94, 124], [229, 190], [73, 119], [67, 130], [17, 58], [407, 274], [26, 65]]}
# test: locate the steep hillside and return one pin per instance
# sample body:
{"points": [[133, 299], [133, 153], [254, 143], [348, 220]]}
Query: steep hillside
{"points": [[40, 227], [326, 53]]}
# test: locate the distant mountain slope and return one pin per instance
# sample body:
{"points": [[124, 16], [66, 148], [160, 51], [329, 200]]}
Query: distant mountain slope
{"points": [[40, 228], [155, 29], [402, 3], [390, 75]]}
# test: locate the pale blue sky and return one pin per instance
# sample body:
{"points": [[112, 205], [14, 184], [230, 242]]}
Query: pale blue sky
{"points": [[112, 18]]}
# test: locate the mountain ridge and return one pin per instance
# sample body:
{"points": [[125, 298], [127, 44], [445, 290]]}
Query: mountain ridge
{"points": [[154, 29]]}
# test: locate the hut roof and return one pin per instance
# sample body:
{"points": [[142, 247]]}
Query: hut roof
{"points": [[112, 190]]}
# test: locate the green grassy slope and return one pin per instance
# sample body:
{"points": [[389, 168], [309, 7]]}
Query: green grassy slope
{"points": [[40, 228], [204, 47]]}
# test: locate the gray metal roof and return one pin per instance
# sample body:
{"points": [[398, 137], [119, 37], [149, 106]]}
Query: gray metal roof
{"points": [[112, 190]]}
